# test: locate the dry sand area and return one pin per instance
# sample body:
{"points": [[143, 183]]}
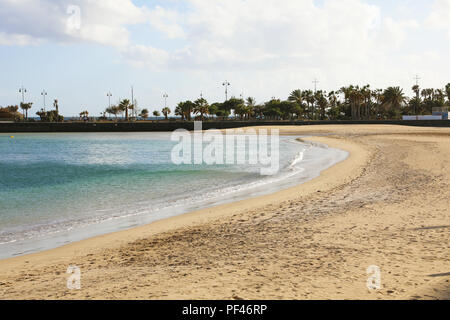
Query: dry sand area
{"points": [[386, 205]]}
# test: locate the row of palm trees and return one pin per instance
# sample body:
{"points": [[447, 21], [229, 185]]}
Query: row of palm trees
{"points": [[351, 102], [122, 108], [25, 106], [364, 103], [184, 109], [51, 116]]}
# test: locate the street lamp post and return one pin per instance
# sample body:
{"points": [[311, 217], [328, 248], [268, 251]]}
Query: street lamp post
{"points": [[165, 96], [109, 95], [23, 90], [44, 94], [315, 84], [417, 78], [226, 84]]}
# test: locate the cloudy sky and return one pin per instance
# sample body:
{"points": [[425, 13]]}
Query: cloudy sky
{"points": [[78, 50]]}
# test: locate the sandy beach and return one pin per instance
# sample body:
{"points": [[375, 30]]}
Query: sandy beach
{"points": [[386, 205]]}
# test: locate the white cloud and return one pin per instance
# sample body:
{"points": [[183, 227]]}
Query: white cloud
{"points": [[145, 56], [222, 34], [268, 47], [439, 17], [9, 39], [394, 33], [166, 21], [101, 21], [294, 34]]}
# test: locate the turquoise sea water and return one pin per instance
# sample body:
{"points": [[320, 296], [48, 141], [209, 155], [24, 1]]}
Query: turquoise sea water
{"points": [[59, 188]]}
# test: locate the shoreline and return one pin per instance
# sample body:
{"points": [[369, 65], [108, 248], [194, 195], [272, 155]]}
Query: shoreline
{"points": [[166, 224], [61, 237], [275, 246]]}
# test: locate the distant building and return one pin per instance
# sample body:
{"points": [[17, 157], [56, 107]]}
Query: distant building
{"points": [[438, 114], [443, 112]]}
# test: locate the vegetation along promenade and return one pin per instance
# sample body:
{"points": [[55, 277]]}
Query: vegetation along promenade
{"points": [[352, 104]]}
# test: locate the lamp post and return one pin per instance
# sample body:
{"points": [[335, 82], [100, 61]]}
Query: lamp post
{"points": [[44, 94], [226, 84], [417, 78], [23, 90], [109, 95], [165, 96], [315, 85]]}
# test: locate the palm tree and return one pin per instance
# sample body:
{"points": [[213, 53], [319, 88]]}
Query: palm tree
{"points": [[166, 111], [56, 106], [124, 105], [308, 96], [377, 95], [416, 90], [366, 93], [131, 107], [346, 91], [357, 97], [115, 110], [25, 107], [184, 109], [417, 101], [201, 106], [415, 106], [156, 113], [259, 110], [251, 103], [179, 111], [334, 111], [214, 109], [427, 94], [84, 115], [272, 109], [393, 100], [439, 98], [144, 113], [240, 109], [297, 96], [322, 103], [110, 110], [354, 97], [447, 91]]}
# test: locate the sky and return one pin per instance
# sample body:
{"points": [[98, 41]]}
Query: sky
{"points": [[79, 50]]}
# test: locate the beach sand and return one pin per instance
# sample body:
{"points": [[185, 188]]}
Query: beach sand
{"points": [[386, 205]]}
